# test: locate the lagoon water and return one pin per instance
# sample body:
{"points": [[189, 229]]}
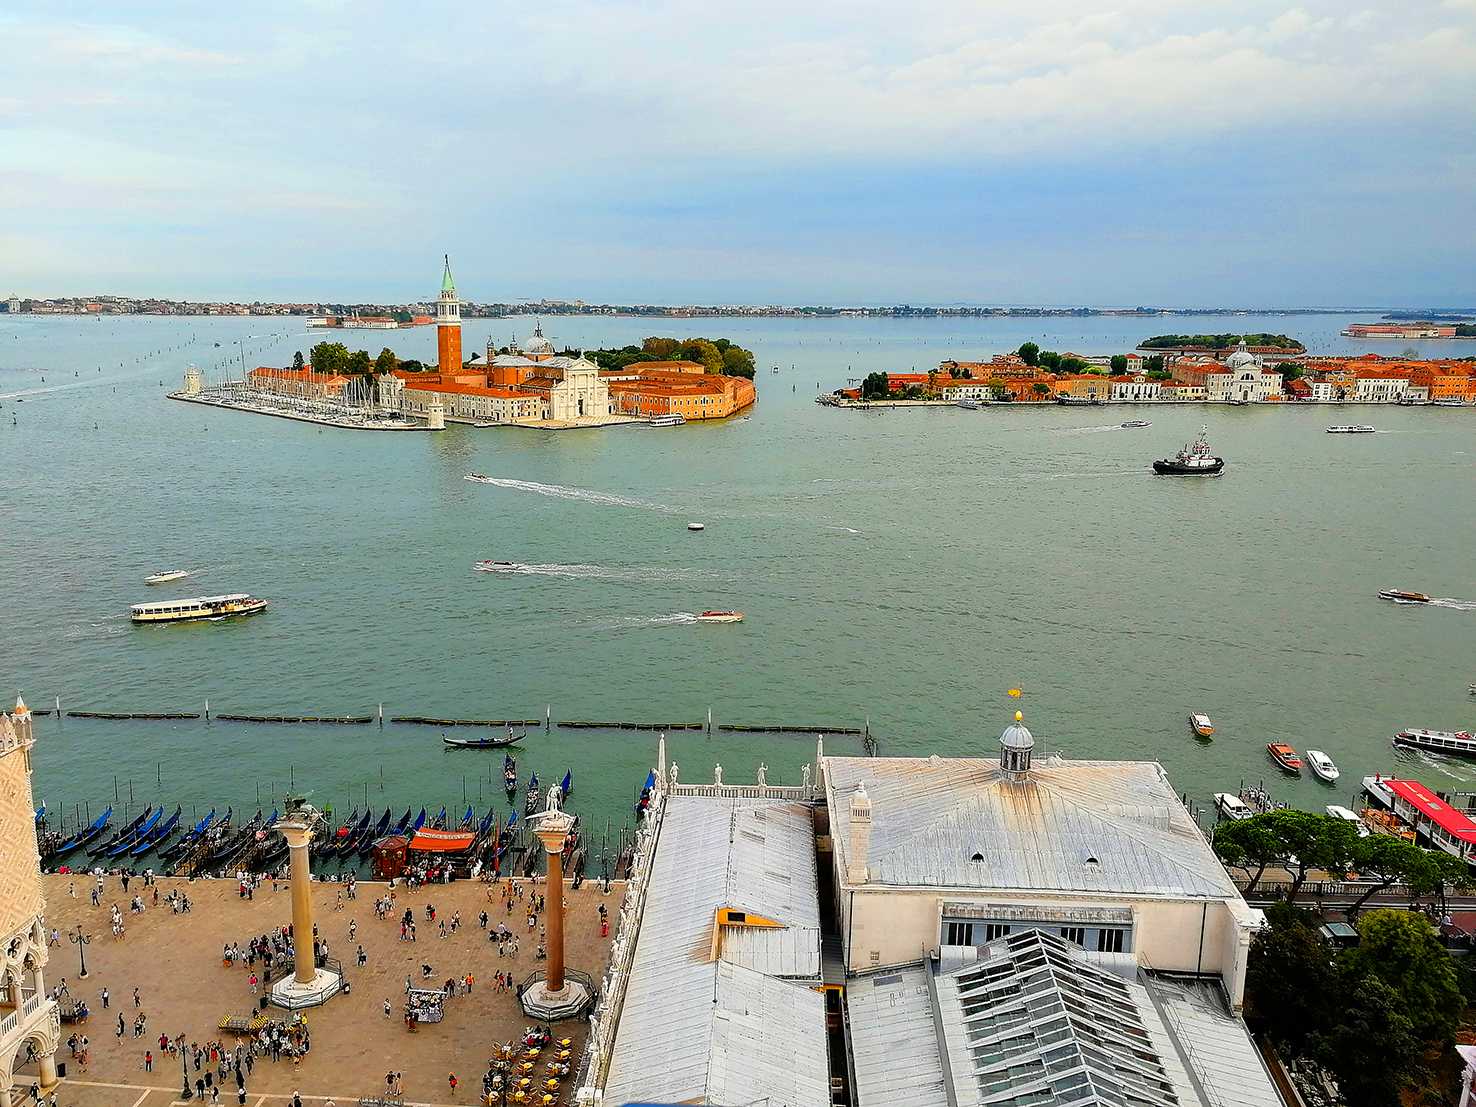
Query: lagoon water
{"points": [[905, 567]]}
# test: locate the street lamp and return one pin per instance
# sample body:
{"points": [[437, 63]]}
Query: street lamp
{"points": [[184, 1068], [81, 941]]}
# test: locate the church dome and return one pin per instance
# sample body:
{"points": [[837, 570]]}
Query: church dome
{"points": [[1241, 357], [538, 344]]}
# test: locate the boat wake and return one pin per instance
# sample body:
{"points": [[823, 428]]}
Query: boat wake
{"points": [[602, 572], [676, 618], [1453, 604], [848, 530], [559, 491]]}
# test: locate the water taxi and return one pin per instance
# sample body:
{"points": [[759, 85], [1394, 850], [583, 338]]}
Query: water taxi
{"points": [[1438, 741], [969, 405], [1232, 806], [1356, 428], [1399, 595], [1135, 424], [1322, 765], [1200, 722], [696, 526], [672, 420], [165, 578], [1285, 756], [1192, 460], [201, 607], [720, 617], [496, 566]]}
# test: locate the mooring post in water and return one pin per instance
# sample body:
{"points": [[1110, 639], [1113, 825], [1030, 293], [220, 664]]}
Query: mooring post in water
{"points": [[381, 714], [709, 720], [58, 707], [548, 717], [161, 772], [207, 711], [115, 788]]}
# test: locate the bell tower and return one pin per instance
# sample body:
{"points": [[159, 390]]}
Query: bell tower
{"points": [[448, 324]]}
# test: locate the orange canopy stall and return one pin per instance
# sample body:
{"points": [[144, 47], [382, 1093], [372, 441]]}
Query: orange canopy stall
{"points": [[441, 841]]}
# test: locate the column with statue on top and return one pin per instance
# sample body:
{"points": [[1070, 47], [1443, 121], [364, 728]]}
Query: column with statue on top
{"points": [[559, 995], [310, 985]]}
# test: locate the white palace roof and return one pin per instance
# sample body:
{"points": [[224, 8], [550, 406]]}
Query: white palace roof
{"points": [[1086, 827]]}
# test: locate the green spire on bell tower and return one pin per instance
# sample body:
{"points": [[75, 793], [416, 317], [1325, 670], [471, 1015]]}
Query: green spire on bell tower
{"points": [[447, 284]]}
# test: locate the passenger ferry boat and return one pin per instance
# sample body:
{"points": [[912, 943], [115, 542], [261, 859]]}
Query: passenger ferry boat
{"points": [[672, 420], [1285, 756], [1398, 595], [720, 617], [1413, 811], [1192, 460], [1356, 428], [201, 607], [1458, 742]]}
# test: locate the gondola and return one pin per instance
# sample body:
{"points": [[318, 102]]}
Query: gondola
{"points": [[646, 793], [419, 822], [571, 839], [85, 836], [345, 831], [157, 837], [466, 820], [231, 844], [126, 832], [567, 784], [350, 841], [482, 743], [404, 823], [189, 838], [510, 775], [440, 821], [379, 829], [126, 846], [530, 803]]}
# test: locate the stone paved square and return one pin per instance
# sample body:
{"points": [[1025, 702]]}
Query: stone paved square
{"points": [[175, 962]]}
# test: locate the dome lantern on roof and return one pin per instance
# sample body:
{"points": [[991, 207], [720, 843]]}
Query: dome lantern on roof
{"points": [[1016, 745], [1241, 357]]}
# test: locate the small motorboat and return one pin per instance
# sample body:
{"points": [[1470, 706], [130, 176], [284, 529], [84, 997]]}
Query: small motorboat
{"points": [[1322, 765], [1232, 806], [1200, 723], [969, 405], [1193, 460], [496, 566], [165, 578], [1338, 811], [1399, 595], [696, 526], [1136, 424], [720, 617], [1285, 756], [483, 426], [1357, 428]]}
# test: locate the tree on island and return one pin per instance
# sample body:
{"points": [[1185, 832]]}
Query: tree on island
{"points": [[297, 362], [1119, 364], [1029, 353], [717, 356], [328, 357], [1291, 370], [386, 362], [1040, 388], [1218, 341], [875, 387]]}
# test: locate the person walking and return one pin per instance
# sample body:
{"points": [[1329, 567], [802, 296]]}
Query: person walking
{"points": [[106, 995], [137, 999], [386, 1008], [451, 1079], [148, 1061], [120, 1026]]}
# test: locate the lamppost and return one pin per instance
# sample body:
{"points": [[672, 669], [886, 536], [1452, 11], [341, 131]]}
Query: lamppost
{"points": [[81, 941], [184, 1068]]}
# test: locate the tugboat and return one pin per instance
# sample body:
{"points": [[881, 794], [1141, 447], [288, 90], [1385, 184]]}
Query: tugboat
{"points": [[1192, 460]]}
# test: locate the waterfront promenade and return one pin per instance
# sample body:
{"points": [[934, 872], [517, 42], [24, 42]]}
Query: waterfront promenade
{"points": [[184, 988]]}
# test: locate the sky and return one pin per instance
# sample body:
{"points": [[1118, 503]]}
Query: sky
{"points": [[1022, 152]]}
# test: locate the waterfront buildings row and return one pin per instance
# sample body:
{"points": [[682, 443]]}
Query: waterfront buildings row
{"points": [[921, 931], [1243, 377]]}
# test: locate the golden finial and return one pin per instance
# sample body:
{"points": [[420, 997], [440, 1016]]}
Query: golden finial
{"points": [[1019, 715]]}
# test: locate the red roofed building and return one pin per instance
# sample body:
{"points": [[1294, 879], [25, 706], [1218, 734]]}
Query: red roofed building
{"points": [[1431, 816], [303, 383]]}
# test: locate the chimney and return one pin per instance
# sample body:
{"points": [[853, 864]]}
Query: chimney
{"points": [[860, 837]]}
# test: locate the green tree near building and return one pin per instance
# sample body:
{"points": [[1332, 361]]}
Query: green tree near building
{"points": [[386, 362], [1040, 388], [297, 362], [1400, 949], [875, 387], [1029, 353], [738, 362], [1119, 364], [329, 357]]}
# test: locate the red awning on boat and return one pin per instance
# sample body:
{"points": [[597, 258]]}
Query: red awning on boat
{"points": [[441, 841], [1433, 808]]}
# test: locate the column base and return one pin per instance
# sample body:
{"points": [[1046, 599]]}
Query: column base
{"points": [[294, 996], [570, 1002]]}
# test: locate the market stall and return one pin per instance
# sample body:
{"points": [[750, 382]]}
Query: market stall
{"points": [[422, 1006]]}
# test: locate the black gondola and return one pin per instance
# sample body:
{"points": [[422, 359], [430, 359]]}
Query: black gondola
{"points": [[510, 774], [126, 832], [440, 821], [189, 838], [157, 836], [350, 841], [81, 839], [531, 804], [482, 743], [380, 827], [131, 840]]}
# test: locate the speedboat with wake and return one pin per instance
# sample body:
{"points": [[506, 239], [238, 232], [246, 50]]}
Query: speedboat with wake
{"points": [[497, 566], [720, 617], [1399, 595], [166, 577], [1356, 428]]}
